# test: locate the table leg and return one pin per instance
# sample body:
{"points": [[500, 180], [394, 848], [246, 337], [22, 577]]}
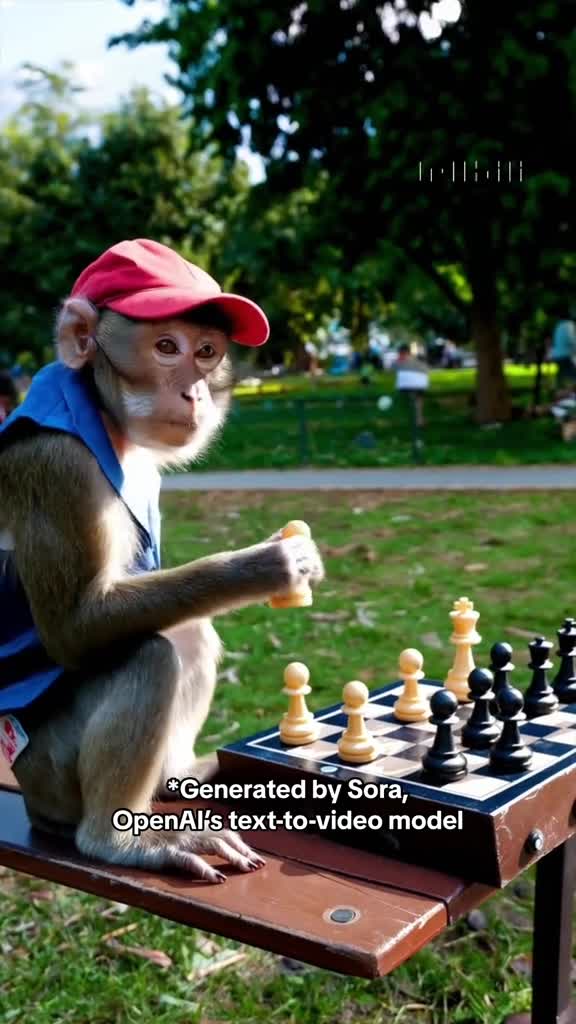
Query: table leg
{"points": [[552, 944]]}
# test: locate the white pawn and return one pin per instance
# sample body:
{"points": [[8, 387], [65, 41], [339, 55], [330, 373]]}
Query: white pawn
{"points": [[298, 725], [356, 744], [412, 705]]}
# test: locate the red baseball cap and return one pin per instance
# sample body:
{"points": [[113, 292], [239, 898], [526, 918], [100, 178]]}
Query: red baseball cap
{"points": [[148, 281]]}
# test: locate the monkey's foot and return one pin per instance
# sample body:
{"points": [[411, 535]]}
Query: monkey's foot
{"points": [[225, 844], [161, 851]]}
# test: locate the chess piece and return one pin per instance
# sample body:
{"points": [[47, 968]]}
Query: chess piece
{"points": [[442, 762], [301, 596], [298, 725], [412, 705], [356, 744], [540, 698], [464, 636], [501, 666], [509, 755], [481, 729], [564, 681]]}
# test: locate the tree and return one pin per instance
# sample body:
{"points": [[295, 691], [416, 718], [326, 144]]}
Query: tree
{"points": [[74, 184], [368, 98]]}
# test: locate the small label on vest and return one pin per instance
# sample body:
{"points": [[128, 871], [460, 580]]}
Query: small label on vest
{"points": [[13, 739]]}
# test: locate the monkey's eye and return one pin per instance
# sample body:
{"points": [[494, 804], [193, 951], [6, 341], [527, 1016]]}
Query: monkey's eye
{"points": [[206, 352], [167, 347]]}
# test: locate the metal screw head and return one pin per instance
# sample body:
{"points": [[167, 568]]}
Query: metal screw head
{"points": [[341, 915], [535, 841]]}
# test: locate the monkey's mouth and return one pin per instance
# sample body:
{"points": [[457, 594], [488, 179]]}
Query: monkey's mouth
{"points": [[183, 424]]}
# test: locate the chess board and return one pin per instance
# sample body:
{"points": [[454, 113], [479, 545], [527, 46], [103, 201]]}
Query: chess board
{"points": [[507, 821]]}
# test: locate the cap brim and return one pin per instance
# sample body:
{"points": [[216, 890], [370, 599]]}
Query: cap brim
{"points": [[249, 323]]}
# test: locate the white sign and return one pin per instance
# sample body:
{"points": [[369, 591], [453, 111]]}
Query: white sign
{"points": [[411, 380]]}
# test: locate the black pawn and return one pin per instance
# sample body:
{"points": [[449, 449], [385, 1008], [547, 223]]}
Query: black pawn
{"points": [[501, 666], [565, 679], [509, 754], [442, 762], [540, 698], [481, 729]]}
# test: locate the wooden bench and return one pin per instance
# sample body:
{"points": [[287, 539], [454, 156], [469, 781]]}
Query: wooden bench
{"points": [[359, 914]]}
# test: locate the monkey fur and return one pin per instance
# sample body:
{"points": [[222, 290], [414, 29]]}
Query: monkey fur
{"points": [[139, 651]]}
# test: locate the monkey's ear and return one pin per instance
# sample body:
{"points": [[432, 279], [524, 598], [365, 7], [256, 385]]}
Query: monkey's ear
{"points": [[75, 329]]}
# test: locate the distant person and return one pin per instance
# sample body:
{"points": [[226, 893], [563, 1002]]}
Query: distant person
{"points": [[451, 358], [8, 395], [312, 357], [563, 352], [412, 377]]}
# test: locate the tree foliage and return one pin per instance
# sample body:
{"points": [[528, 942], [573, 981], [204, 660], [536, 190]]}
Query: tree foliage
{"points": [[350, 99], [73, 184]]}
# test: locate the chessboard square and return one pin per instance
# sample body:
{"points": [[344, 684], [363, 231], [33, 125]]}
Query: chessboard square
{"points": [[373, 710], [327, 729], [388, 701], [537, 728], [566, 736], [335, 720], [529, 740], [429, 687], [313, 751], [542, 760], [394, 767], [555, 718], [426, 727], [409, 733], [463, 712], [377, 727], [476, 786], [552, 749], [475, 760], [389, 717], [416, 752], [390, 747]]}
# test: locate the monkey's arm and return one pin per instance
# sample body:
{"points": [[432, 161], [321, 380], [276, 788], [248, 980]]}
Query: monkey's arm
{"points": [[74, 538]]}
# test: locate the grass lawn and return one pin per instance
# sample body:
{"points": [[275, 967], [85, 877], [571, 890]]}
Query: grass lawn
{"points": [[336, 422], [394, 564]]}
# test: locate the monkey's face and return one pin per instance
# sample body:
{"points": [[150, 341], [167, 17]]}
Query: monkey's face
{"points": [[165, 383], [173, 384], [173, 381]]}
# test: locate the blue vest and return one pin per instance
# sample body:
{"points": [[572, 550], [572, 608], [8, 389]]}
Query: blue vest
{"points": [[64, 399]]}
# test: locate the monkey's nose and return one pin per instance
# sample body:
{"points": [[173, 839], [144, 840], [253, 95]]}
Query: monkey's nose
{"points": [[191, 398]]}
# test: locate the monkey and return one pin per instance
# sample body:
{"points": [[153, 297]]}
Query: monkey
{"points": [[108, 662]]}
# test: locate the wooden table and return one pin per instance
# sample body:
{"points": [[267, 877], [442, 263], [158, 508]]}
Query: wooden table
{"points": [[316, 901]]}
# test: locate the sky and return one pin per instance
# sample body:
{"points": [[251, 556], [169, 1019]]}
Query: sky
{"points": [[47, 32]]}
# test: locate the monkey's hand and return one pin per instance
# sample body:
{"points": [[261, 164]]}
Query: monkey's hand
{"points": [[225, 844], [278, 566]]}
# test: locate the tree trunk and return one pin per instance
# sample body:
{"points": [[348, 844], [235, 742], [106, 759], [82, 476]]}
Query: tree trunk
{"points": [[492, 397]]}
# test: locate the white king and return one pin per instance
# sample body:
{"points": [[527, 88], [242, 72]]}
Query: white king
{"points": [[464, 636]]}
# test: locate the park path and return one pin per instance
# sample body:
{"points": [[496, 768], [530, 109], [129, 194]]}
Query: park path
{"points": [[421, 478]]}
